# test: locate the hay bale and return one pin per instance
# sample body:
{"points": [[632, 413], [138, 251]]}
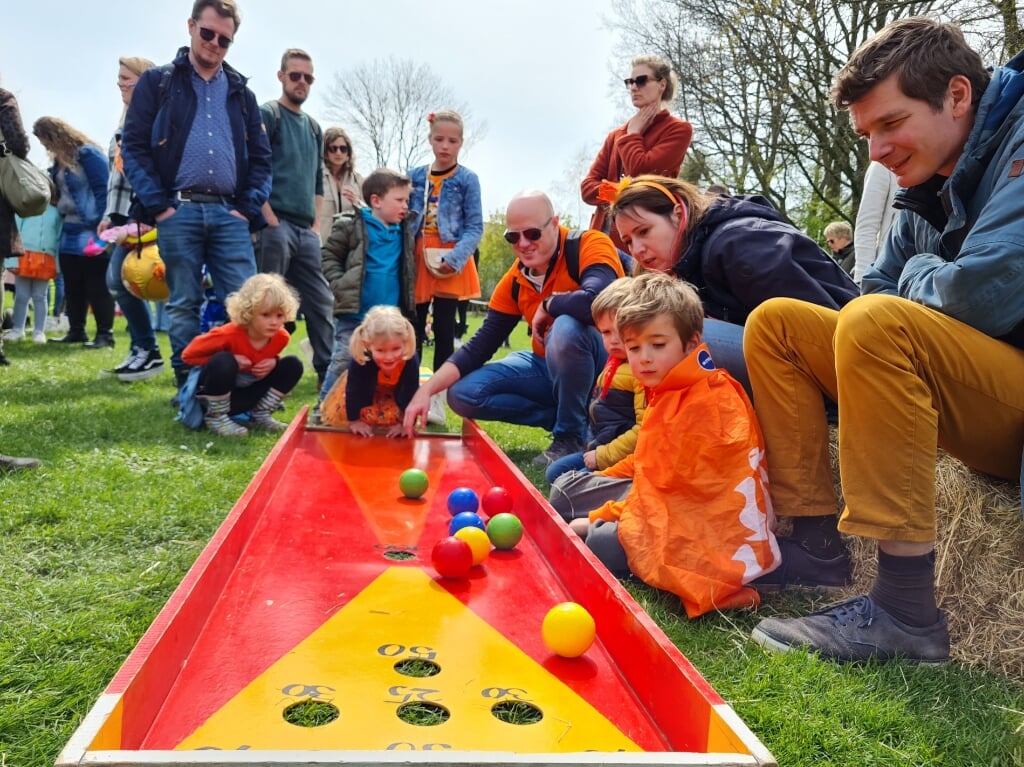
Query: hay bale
{"points": [[979, 565]]}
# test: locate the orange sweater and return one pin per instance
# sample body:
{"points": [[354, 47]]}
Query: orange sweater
{"points": [[233, 338], [698, 519], [660, 149]]}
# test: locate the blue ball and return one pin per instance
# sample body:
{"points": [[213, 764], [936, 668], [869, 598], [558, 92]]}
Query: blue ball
{"points": [[462, 499], [465, 519]]}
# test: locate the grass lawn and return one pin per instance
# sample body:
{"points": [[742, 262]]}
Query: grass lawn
{"points": [[93, 543]]}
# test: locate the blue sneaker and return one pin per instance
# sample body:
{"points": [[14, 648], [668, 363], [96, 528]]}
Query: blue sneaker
{"points": [[856, 630]]}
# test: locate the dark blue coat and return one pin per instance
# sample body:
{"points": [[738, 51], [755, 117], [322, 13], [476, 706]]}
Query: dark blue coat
{"points": [[157, 127], [743, 253]]}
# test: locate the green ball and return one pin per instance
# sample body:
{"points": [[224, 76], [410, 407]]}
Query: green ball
{"points": [[505, 530], [413, 483]]}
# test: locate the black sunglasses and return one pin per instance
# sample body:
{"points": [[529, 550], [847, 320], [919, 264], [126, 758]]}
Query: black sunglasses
{"points": [[296, 76], [530, 234], [338, 148], [639, 81], [208, 35]]}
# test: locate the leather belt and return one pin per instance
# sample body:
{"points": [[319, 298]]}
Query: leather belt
{"points": [[187, 195]]}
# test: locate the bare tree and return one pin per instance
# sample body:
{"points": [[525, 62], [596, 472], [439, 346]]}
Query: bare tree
{"points": [[384, 104], [755, 77]]}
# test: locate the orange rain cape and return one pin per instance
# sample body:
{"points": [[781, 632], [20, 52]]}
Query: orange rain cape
{"points": [[698, 520]]}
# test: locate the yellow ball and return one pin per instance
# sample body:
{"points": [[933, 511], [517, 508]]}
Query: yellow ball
{"points": [[478, 542], [568, 630]]}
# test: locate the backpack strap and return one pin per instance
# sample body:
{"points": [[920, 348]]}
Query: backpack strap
{"points": [[571, 253], [271, 125]]}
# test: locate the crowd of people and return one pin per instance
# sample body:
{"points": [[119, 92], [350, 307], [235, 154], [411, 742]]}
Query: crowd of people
{"points": [[688, 352]]}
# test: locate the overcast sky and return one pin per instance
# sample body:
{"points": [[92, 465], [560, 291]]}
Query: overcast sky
{"points": [[539, 72]]}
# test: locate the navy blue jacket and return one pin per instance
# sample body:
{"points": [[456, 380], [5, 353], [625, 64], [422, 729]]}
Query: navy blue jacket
{"points": [[156, 129], [743, 253]]}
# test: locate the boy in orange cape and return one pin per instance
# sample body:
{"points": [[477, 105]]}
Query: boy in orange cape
{"points": [[697, 520]]}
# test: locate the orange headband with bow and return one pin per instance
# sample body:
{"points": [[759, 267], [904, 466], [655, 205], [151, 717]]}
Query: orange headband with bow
{"points": [[609, 191]]}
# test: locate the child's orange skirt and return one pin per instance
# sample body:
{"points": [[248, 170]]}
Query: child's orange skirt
{"points": [[463, 286], [384, 410]]}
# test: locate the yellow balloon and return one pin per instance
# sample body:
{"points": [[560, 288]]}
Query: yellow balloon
{"points": [[568, 630], [478, 542]]}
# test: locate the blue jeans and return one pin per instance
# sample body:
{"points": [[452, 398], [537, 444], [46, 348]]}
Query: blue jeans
{"points": [[725, 341], [341, 356], [199, 234], [293, 251], [563, 465], [135, 310], [551, 392]]}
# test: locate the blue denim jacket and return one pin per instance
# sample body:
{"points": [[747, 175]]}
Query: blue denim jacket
{"points": [[460, 217], [88, 188]]}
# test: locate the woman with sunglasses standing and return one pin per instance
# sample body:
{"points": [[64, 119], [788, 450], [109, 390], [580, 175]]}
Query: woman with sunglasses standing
{"points": [[343, 187], [652, 141]]}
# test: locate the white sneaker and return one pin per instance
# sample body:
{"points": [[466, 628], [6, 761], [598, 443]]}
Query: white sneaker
{"points": [[39, 337], [14, 335], [437, 414], [52, 324], [63, 325]]}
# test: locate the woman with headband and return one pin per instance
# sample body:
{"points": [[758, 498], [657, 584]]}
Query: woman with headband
{"points": [[737, 251]]}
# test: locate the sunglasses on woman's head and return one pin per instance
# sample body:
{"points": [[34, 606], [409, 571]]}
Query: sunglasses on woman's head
{"points": [[532, 234], [343, 148], [296, 76], [639, 81], [208, 35]]}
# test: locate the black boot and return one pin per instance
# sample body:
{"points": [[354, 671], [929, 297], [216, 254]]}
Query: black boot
{"points": [[104, 340], [74, 337]]}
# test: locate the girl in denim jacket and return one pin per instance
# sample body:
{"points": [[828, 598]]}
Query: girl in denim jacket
{"points": [[446, 201]]}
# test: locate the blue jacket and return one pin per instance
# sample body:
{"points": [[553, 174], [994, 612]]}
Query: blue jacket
{"points": [[960, 252], [742, 252], [87, 186], [156, 129], [460, 217], [42, 233]]}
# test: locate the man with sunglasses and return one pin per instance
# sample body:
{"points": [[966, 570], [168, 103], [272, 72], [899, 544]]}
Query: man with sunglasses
{"points": [[548, 386], [290, 244], [197, 156]]}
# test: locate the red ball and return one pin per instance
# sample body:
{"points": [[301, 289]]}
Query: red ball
{"points": [[497, 500], [452, 557]]}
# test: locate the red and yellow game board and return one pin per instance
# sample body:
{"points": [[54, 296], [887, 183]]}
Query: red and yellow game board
{"points": [[313, 629]]}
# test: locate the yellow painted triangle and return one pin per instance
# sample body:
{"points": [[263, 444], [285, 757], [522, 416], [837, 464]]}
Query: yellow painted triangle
{"points": [[349, 664]]}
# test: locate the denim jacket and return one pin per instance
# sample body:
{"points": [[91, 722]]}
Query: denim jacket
{"points": [[87, 185], [460, 218]]}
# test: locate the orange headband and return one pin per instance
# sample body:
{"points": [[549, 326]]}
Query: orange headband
{"points": [[609, 191]]}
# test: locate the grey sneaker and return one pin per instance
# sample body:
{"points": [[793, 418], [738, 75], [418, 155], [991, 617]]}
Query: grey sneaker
{"points": [[856, 630], [560, 446], [800, 568]]}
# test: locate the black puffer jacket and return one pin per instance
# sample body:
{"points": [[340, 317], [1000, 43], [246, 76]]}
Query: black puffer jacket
{"points": [[743, 253]]}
